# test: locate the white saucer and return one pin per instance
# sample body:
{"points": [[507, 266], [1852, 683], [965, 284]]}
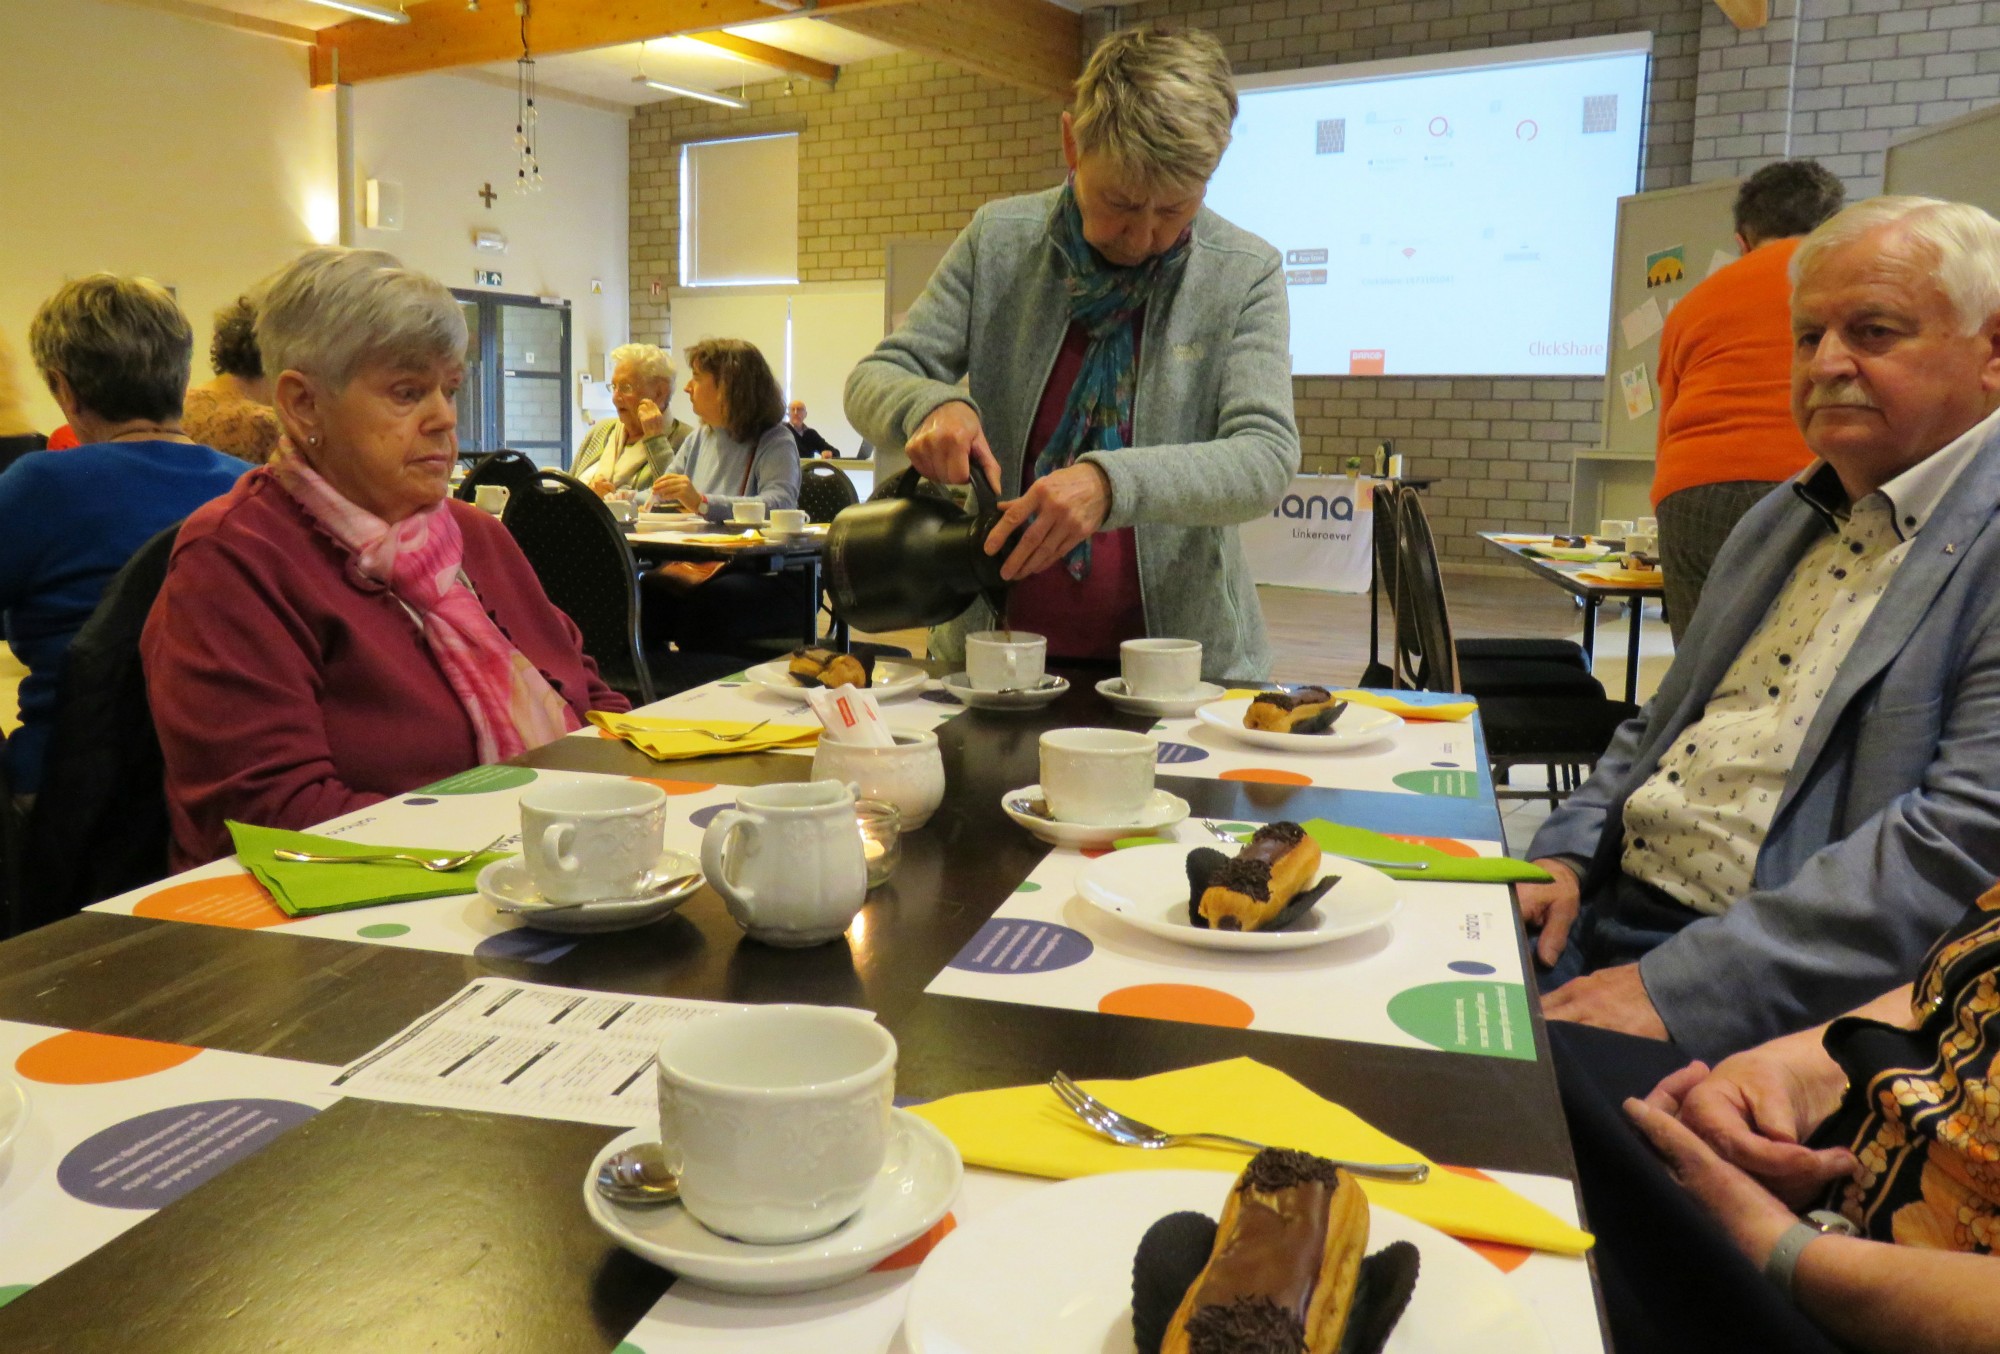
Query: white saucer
{"points": [[771, 533], [917, 1186], [1163, 810], [891, 679], [1050, 1272], [960, 688], [13, 1118], [1357, 725], [1147, 887], [1113, 690], [511, 889]]}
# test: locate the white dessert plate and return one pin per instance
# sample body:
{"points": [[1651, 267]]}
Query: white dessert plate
{"points": [[1170, 707], [509, 886], [960, 688], [1051, 1273], [892, 679], [915, 1188], [1027, 807], [1147, 887], [1357, 725], [13, 1118]]}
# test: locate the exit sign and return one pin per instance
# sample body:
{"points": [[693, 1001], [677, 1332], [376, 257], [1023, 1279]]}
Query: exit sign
{"points": [[485, 277]]}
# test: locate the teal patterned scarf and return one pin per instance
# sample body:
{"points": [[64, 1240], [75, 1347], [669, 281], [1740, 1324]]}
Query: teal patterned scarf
{"points": [[1103, 298]]}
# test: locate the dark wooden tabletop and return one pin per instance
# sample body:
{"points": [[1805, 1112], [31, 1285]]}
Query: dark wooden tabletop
{"points": [[651, 548], [382, 1227], [1565, 577]]}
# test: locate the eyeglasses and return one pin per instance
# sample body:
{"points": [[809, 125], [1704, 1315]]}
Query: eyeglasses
{"points": [[625, 388]]}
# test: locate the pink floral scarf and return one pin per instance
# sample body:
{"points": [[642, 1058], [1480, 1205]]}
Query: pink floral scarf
{"points": [[511, 705]]}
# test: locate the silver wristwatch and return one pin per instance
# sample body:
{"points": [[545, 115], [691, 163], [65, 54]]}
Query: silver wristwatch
{"points": [[1785, 1255]]}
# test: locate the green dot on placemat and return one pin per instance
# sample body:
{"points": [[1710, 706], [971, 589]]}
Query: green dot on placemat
{"points": [[1461, 784], [383, 930], [12, 1291], [1238, 828], [627, 1347], [481, 780], [1027, 886], [1467, 1017], [1123, 842]]}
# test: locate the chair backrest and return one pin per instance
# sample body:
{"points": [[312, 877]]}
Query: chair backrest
{"points": [[511, 468], [1426, 659], [99, 825], [824, 490], [578, 551]]}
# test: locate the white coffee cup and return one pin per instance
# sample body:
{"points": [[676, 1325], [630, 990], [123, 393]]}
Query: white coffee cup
{"points": [[1160, 667], [790, 521], [776, 1118], [1005, 660], [1100, 777], [492, 498], [1642, 543], [908, 774], [787, 861], [1646, 526], [1613, 529], [594, 839], [747, 509]]}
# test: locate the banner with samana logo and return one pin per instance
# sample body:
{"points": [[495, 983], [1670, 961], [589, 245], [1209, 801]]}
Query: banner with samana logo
{"points": [[1320, 535]]}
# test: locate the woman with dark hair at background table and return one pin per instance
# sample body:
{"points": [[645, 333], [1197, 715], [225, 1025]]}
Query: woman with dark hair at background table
{"points": [[339, 629], [233, 412]]}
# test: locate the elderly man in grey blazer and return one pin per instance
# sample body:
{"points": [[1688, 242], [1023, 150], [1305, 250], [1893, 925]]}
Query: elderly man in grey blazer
{"points": [[1814, 793]]}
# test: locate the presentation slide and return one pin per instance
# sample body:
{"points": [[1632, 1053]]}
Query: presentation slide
{"points": [[1443, 222]]}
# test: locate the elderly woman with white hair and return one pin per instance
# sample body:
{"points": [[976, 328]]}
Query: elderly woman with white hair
{"points": [[338, 629], [635, 448], [1128, 374]]}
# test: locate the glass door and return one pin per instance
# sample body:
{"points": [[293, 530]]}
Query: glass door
{"points": [[517, 380]]}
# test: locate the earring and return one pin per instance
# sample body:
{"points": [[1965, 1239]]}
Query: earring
{"points": [[313, 441]]}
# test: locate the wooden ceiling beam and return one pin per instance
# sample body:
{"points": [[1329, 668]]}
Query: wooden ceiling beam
{"points": [[764, 54], [1031, 44], [444, 33]]}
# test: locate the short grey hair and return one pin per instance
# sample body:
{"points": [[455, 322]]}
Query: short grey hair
{"points": [[122, 343], [1158, 103], [334, 311], [1962, 242], [654, 362]]}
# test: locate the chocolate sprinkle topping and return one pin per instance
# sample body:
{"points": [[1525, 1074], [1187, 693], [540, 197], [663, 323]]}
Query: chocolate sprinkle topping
{"points": [[1283, 700], [1245, 1326], [1277, 1168], [1251, 878], [1287, 835]]}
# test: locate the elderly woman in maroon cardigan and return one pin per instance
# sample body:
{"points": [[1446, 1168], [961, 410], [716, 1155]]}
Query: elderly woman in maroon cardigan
{"points": [[337, 629]]}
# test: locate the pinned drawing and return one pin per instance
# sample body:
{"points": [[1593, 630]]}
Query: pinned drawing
{"points": [[1669, 265]]}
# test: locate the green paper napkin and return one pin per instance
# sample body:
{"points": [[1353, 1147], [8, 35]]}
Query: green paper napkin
{"points": [[1340, 840], [307, 890]]}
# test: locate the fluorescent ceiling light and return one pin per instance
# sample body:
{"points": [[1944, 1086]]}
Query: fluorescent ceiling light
{"points": [[684, 92], [367, 10]]}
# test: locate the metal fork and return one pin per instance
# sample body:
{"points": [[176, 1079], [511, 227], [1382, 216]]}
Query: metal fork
{"points": [[1224, 834], [435, 864], [718, 737], [1129, 1132]]}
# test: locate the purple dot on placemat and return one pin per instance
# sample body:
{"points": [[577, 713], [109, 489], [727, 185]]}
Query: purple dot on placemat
{"points": [[1010, 945], [1180, 752], [151, 1160], [525, 945], [703, 817], [940, 698], [903, 1102], [1471, 966], [1452, 765], [419, 801]]}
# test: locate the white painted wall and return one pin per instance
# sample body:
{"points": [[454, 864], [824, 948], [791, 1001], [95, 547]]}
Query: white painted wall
{"points": [[445, 136]]}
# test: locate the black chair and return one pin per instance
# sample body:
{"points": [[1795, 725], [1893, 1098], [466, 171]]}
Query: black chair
{"points": [[578, 551], [99, 824], [824, 490], [1537, 712], [511, 468]]}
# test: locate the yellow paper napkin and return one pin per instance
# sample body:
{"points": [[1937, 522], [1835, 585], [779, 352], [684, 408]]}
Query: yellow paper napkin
{"points": [[674, 740], [1027, 1130], [1443, 712]]}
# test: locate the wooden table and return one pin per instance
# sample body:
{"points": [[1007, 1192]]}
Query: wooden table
{"points": [[801, 555], [1565, 576], [385, 1227]]}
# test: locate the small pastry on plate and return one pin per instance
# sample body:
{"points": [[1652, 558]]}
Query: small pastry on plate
{"points": [[1266, 885], [1310, 709], [830, 667]]}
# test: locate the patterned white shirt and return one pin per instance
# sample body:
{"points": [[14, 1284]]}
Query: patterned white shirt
{"points": [[1694, 829]]}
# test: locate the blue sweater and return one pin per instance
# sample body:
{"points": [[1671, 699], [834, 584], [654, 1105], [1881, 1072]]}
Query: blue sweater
{"points": [[715, 461], [68, 521]]}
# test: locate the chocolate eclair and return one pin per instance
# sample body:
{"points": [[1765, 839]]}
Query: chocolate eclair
{"points": [[1250, 892], [830, 667], [1310, 709]]}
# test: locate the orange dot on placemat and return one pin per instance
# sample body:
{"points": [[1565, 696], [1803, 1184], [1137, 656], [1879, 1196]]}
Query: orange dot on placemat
{"points": [[236, 900], [78, 1058], [1265, 775], [914, 1253], [1179, 1001], [1451, 846], [679, 787], [1502, 1255]]}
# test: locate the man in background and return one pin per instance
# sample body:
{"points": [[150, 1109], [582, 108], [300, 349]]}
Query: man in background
{"points": [[810, 442], [1727, 436]]}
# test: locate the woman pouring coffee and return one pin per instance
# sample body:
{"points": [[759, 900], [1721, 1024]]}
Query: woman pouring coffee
{"points": [[1128, 385]]}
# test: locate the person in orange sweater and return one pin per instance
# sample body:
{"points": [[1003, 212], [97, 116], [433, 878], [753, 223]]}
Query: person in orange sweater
{"points": [[1726, 431]]}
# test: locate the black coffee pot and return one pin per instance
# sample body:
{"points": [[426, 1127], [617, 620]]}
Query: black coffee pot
{"points": [[914, 558]]}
